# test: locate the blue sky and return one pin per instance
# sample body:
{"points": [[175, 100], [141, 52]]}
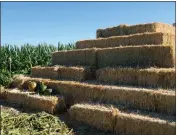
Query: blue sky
{"points": [[53, 22]]}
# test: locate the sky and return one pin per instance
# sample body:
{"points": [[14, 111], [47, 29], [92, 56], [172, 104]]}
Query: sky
{"points": [[68, 22]]}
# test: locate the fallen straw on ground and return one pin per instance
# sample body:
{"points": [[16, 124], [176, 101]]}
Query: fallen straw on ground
{"points": [[32, 124]]}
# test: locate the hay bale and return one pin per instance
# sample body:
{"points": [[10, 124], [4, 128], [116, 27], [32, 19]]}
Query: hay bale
{"points": [[74, 73], [49, 104], [142, 56], [45, 72], [132, 124], [165, 102], [156, 38], [133, 29], [97, 116], [137, 98], [86, 57], [149, 77], [15, 96]]}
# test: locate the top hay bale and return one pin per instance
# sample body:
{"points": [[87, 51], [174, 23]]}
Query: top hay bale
{"points": [[133, 29], [84, 57]]}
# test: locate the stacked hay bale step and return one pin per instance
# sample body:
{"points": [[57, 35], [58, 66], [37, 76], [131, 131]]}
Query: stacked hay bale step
{"points": [[62, 72], [133, 29], [148, 77], [140, 55], [161, 101], [114, 120], [29, 100]]}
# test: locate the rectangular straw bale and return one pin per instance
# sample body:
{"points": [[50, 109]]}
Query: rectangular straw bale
{"points": [[165, 102], [148, 77], [45, 72], [133, 124], [17, 97], [137, 98], [155, 38], [124, 29], [133, 56], [50, 104], [97, 116], [74, 73], [86, 57]]}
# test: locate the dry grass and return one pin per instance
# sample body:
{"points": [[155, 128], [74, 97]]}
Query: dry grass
{"points": [[86, 57], [165, 102], [15, 96], [133, 29], [150, 77], [50, 104], [111, 119], [156, 38], [142, 56], [74, 73], [97, 116], [132, 124], [62, 72], [138, 98], [45, 72]]}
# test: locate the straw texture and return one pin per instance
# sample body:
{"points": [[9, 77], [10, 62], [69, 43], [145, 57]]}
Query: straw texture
{"points": [[95, 115], [155, 38], [15, 96], [86, 57], [45, 72], [137, 98], [133, 56], [132, 124], [124, 29], [74, 73], [50, 104], [149, 77], [121, 123]]}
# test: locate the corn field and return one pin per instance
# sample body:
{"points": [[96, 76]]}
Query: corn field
{"points": [[19, 59]]}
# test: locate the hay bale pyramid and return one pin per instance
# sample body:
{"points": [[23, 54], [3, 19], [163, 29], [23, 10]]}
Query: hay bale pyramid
{"points": [[123, 81]]}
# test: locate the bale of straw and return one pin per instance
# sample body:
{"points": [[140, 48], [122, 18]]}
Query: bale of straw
{"points": [[155, 38], [142, 56], [74, 73], [45, 72], [137, 98], [133, 29], [15, 96], [132, 124], [97, 116], [149, 77], [49, 104], [86, 57], [165, 102]]}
